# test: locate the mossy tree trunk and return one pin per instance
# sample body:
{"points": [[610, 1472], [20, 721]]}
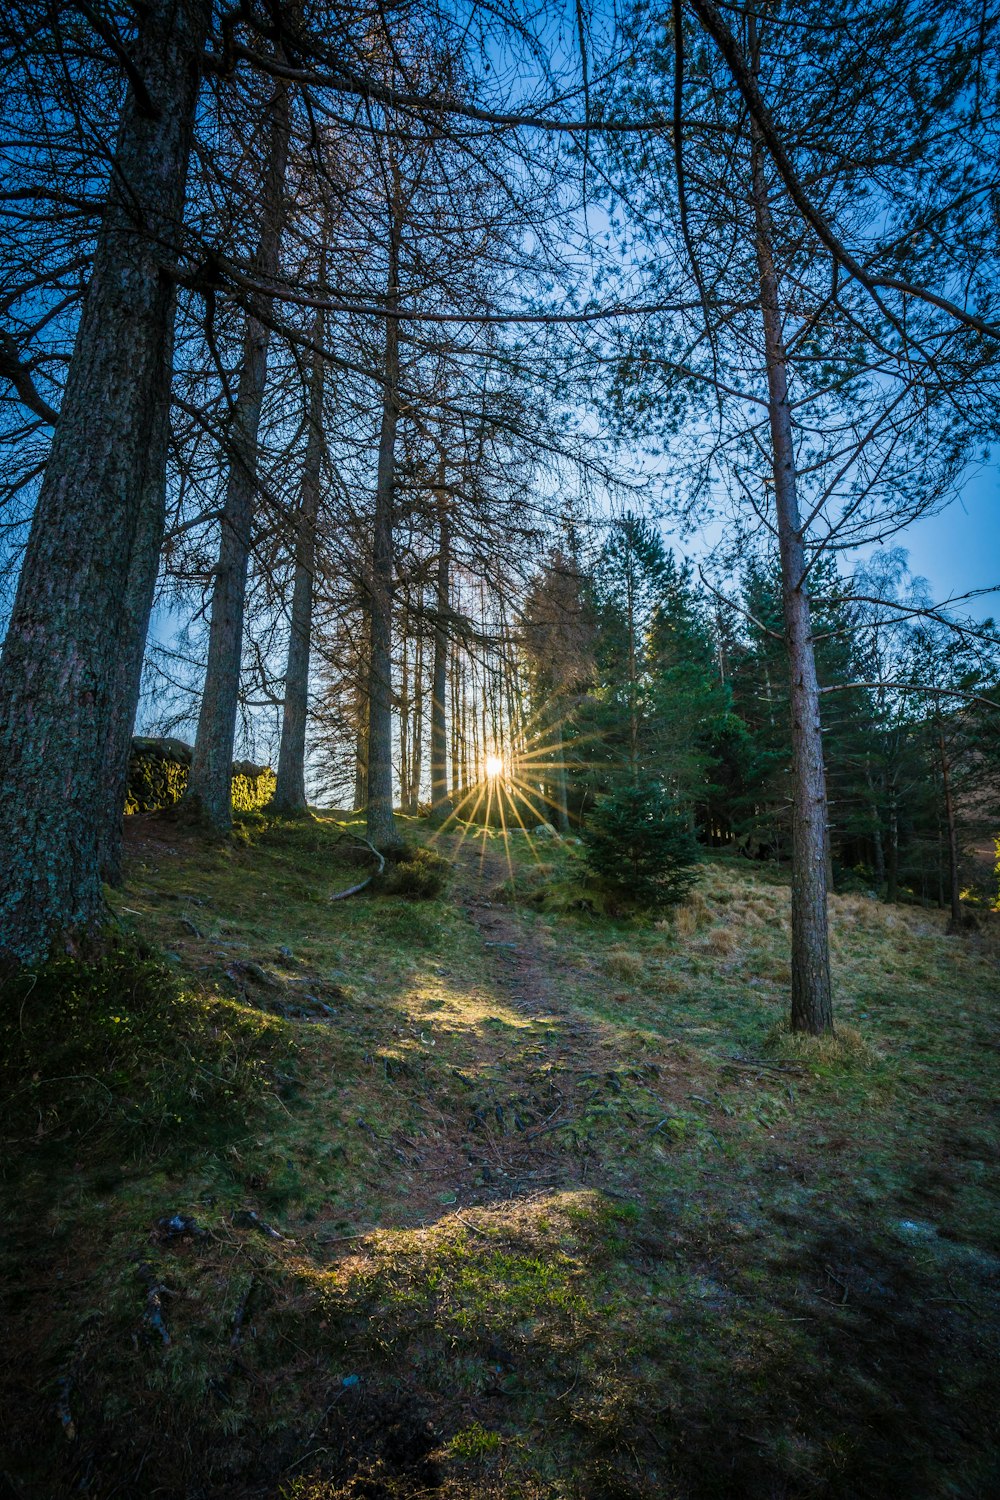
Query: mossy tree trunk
{"points": [[290, 789], [208, 795], [812, 999], [70, 671]]}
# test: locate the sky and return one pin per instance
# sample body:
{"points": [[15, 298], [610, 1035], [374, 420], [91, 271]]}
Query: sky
{"points": [[960, 548]]}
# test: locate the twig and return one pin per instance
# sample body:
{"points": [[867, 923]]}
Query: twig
{"points": [[546, 1129], [474, 1227], [353, 890], [749, 1064]]}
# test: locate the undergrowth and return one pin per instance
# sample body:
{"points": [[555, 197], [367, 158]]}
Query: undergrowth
{"points": [[121, 1050], [493, 1199]]}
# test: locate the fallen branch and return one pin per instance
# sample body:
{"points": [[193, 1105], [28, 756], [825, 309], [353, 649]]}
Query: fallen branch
{"points": [[155, 1292], [754, 1064], [353, 890]]}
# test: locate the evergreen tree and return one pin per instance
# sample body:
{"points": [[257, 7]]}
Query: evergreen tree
{"points": [[639, 841], [686, 702]]}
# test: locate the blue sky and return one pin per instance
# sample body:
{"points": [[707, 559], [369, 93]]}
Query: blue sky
{"points": [[960, 548]]}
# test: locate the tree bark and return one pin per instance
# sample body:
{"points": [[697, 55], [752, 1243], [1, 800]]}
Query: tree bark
{"points": [[417, 740], [209, 791], [456, 724], [440, 801], [404, 715], [381, 820], [954, 892], [290, 784], [812, 999], [69, 678]]}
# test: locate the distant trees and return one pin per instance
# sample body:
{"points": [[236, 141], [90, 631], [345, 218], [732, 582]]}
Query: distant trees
{"points": [[830, 384], [327, 382]]}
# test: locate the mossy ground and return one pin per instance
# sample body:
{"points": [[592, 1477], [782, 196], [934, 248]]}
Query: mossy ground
{"points": [[564, 1210]]}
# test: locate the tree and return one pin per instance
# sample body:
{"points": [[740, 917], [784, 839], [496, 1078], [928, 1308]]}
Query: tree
{"points": [[208, 794], [833, 397], [69, 679], [639, 841], [290, 789]]}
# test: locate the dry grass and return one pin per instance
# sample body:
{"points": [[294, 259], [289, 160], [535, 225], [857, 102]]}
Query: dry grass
{"points": [[621, 963], [844, 1046]]}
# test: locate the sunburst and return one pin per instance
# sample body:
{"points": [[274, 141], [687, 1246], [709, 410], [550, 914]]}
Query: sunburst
{"points": [[514, 790]]}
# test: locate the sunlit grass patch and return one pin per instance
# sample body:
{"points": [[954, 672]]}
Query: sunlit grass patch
{"points": [[473, 1442]]}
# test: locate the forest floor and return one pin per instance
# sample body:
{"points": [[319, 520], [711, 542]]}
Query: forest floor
{"points": [[494, 1194]]}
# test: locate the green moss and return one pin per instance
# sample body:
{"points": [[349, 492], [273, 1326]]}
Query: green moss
{"points": [[158, 777], [154, 782], [120, 1051]]}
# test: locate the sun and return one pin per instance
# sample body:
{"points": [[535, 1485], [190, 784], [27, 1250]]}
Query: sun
{"points": [[493, 766]]}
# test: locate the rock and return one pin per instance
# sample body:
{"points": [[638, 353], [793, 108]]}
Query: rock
{"points": [[247, 1218], [163, 749], [180, 1225]]}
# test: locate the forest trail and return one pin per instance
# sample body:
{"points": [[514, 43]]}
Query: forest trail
{"points": [[539, 1090], [528, 1083], [531, 982]]}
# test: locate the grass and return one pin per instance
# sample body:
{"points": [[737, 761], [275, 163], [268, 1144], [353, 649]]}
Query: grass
{"points": [[564, 1210]]}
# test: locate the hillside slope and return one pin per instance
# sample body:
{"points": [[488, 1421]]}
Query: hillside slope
{"points": [[494, 1194]]}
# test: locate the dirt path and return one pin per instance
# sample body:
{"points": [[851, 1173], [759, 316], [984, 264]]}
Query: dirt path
{"points": [[530, 981], [526, 1126]]}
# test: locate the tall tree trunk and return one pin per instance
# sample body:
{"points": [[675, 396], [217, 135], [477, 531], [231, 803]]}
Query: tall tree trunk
{"points": [[361, 754], [633, 680], [954, 892], [209, 792], [417, 750], [69, 677], [559, 788], [381, 821], [892, 861], [812, 1000], [290, 786], [456, 724], [404, 713], [137, 605]]}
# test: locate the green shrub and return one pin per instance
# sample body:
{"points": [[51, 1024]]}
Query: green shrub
{"points": [[420, 874], [638, 842], [120, 1050]]}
